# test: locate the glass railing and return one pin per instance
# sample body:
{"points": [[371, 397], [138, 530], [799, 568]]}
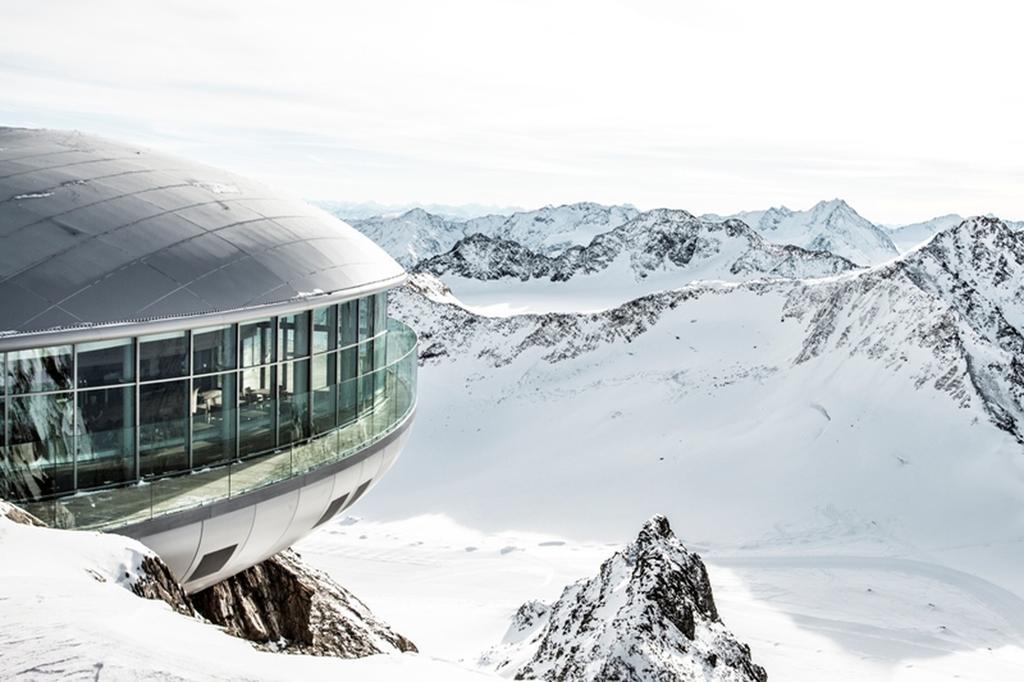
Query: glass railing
{"points": [[383, 400]]}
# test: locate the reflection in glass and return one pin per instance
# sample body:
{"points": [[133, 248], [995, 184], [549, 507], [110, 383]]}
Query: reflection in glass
{"points": [[163, 427], [348, 323], [325, 378], [106, 436], [325, 329], [213, 419], [380, 311], [293, 397], [257, 410], [257, 342], [40, 369], [213, 349], [163, 356], [38, 458], [347, 387], [103, 363], [293, 335], [365, 318], [366, 357]]}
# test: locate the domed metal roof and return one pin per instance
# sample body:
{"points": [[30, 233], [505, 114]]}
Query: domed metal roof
{"points": [[94, 233]]}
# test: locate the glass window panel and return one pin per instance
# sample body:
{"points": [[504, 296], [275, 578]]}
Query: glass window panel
{"points": [[257, 342], [366, 357], [40, 369], [293, 335], [379, 365], [163, 427], [325, 391], [213, 419], [366, 388], [106, 436], [102, 363], [213, 349], [365, 318], [380, 309], [348, 403], [293, 401], [257, 410], [163, 356], [325, 329], [348, 322], [38, 459]]}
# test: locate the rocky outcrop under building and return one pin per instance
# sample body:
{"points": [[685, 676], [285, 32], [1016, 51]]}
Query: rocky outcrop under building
{"points": [[283, 605]]}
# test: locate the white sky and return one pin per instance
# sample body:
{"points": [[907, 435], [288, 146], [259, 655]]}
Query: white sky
{"points": [[905, 109]]}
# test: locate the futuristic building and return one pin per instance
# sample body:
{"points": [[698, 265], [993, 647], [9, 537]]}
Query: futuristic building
{"points": [[188, 358]]}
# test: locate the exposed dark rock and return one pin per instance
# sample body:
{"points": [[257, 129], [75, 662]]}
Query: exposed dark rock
{"points": [[283, 605], [157, 582]]}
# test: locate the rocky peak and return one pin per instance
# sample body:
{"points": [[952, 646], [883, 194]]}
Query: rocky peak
{"points": [[648, 614]]}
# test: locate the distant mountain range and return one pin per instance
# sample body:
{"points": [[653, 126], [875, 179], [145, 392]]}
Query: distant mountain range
{"points": [[832, 226], [655, 250], [359, 210]]}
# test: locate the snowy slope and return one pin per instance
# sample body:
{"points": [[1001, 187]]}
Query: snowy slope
{"points": [[848, 405], [417, 234], [827, 226], [657, 250], [808, 613], [67, 612]]}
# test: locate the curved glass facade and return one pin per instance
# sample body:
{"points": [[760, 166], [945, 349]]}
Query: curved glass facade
{"points": [[197, 415]]}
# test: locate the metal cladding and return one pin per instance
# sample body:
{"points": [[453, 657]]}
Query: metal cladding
{"points": [[94, 232]]}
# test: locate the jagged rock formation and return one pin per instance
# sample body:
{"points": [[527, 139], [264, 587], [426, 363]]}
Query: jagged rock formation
{"points": [[661, 239], [283, 605], [155, 581], [649, 614]]}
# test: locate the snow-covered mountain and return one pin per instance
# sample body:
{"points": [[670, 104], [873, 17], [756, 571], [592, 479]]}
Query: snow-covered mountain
{"points": [[360, 210], [827, 226], [413, 235], [649, 614], [417, 234], [903, 380], [552, 229], [907, 237], [657, 250]]}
